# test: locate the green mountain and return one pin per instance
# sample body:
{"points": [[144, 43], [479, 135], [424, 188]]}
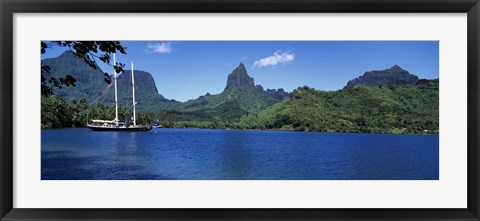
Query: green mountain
{"points": [[239, 97], [90, 82], [358, 108], [92, 86], [392, 77], [146, 94], [239, 78]]}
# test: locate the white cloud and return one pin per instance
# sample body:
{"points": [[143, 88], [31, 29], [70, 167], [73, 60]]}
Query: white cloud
{"points": [[277, 58], [161, 48]]}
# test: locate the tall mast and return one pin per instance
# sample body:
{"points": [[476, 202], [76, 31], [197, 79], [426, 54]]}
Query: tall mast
{"points": [[133, 93], [116, 98]]}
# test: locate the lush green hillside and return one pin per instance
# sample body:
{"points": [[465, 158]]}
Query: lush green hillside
{"points": [[90, 82], [406, 109], [231, 103]]}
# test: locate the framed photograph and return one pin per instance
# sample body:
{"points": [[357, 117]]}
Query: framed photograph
{"points": [[187, 110]]}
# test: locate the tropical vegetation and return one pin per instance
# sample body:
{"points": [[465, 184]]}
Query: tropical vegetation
{"points": [[385, 101]]}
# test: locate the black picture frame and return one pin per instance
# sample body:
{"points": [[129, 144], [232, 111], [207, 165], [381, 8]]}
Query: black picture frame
{"points": [[9, 7]]}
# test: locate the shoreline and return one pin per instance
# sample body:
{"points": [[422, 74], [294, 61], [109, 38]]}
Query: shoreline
{"points": [[280, 130]]}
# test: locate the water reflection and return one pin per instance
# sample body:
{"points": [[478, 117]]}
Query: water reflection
{"points": [[195, 154], [235, 160]]}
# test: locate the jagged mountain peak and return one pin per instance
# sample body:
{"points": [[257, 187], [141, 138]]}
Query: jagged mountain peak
{"points": [[239, 78]]}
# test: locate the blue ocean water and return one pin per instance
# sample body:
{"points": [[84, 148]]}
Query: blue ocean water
{"points": [[208, 154]]}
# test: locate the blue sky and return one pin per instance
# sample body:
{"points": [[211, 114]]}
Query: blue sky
{"points": [[184, 70]]}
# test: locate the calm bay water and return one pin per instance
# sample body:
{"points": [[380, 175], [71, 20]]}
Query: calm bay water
{"points": [[202, 154]]}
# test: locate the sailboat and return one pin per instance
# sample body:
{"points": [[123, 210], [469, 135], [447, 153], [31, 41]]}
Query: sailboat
{"points": [[115, 124]]}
